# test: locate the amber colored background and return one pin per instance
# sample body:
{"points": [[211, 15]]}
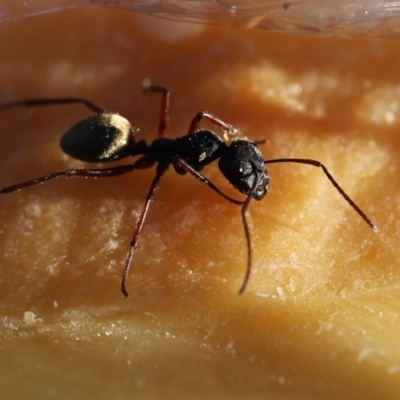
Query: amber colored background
{"points": [[320, 318]]}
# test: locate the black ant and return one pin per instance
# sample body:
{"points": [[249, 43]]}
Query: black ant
{"points": [[106, 137]]}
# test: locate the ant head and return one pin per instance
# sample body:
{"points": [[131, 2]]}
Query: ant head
{"points": [[101, 137], [243, 166]]}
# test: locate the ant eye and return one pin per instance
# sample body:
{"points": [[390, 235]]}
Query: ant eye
{"points": [[99, 138], [262, 187]]}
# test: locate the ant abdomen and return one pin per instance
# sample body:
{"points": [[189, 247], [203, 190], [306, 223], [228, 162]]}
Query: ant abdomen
{"points": [[99, 138]]}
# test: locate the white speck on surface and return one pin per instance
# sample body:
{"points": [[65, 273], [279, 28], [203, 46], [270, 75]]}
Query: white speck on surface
{"points": [[29, 318], [265, 295], [281, 293], [230, 347], [393, 369], [364, 353]]}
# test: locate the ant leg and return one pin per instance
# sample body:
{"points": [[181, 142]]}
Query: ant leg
{"points": [[181, 164], [161, 168], [245, 207], [316, 163], [54, 101], [194, 125], [142, 163], [244, 210], [147, 86], [228, 130]]}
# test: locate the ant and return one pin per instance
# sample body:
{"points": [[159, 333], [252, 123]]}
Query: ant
{"points": [[107, 136]]}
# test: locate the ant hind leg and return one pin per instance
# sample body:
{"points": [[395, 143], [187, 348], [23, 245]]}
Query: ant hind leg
{"points": [[53, 101]]}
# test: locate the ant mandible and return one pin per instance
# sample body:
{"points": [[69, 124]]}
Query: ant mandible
{"points": [[107, 136]]}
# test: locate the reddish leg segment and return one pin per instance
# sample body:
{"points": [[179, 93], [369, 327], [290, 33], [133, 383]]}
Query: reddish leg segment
{"points": [[54, 101]]}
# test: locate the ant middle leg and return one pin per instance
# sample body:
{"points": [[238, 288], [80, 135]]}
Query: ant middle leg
{"points": [[147, 86], [161, 169]]}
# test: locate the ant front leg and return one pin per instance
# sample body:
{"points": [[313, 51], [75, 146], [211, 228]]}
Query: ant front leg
{"points": [[54, 101], [184, 166], [194, 126], [244, 210], [229, 131]]}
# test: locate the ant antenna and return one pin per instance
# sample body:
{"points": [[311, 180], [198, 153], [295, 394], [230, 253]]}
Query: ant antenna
{"points": [[316, 163]]}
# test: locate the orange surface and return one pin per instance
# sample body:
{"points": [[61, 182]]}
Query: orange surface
{"points": [[320, 317]]}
